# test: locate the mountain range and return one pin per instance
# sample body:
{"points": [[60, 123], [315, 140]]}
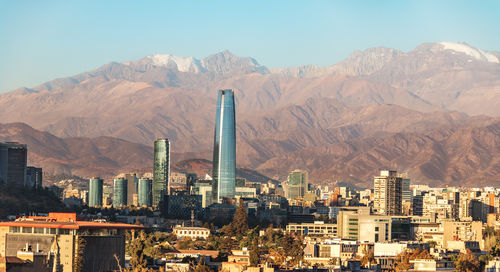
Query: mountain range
{"points": [[432, 112]]}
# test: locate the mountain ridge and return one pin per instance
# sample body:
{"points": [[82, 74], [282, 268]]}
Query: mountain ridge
{"points": [[375, 93]]}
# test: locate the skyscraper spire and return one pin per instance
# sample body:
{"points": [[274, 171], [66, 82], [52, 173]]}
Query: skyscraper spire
{"points": [[224, 157]]}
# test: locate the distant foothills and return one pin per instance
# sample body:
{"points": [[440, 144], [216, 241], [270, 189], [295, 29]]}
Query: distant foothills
{"points": [[432, 112]]}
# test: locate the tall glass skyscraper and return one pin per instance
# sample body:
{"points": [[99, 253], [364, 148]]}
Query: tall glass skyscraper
{"points": [[119, 192], [224, 160], [95, 192], [161, 170]]}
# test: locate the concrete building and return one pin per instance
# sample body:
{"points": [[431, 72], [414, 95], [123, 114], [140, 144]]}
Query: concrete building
{"points": [[388, 193], [58, 237], [318, 228], [462, 231], [13, 159], [191, 232], [431, 265], [178, 182]]}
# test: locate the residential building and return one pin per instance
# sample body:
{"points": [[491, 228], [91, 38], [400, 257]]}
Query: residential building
{"points": [[388, 194]]}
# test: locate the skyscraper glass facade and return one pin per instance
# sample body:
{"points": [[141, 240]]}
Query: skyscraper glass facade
{"points": [[95, 192], [224, 156], [161, 169], [144, 197], [13, 159], [119, 192], [297, 184]]}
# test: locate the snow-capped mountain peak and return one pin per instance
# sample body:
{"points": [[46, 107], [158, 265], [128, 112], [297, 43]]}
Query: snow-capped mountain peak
{"points": [[476, 53], [184, 64]]}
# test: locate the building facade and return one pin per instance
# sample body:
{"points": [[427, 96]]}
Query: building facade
{"points": [[296, 184], [161, 170], [95, 192], [13, 159], [34, 177], [224, 155], [388, 193], [120, 192], [144, 194], [59, 236]]}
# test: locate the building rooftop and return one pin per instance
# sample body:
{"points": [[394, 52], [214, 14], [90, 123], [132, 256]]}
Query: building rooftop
{"points": [[65, 221]]}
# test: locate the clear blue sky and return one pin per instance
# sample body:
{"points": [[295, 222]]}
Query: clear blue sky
{"points": [[44, 40]]}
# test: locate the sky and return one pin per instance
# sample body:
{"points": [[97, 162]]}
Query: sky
{"points": [[44, 40]]}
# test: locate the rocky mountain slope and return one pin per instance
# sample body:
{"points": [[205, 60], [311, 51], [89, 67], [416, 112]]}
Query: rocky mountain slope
{"points": [[281, 113]]}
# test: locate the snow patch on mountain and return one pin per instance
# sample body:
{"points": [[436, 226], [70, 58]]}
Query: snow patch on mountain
{"points": [[470, 51], [184, 64]]}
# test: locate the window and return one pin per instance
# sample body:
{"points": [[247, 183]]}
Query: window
{"points": [[27, 230], [15, 229], [38, 230]]}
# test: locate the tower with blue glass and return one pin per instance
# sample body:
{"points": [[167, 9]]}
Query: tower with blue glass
{"points": [[224, 159]]}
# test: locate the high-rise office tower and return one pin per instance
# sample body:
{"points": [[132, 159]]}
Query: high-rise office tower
{"points": [[296, 184], [13, 159], [95, 192], [132, 182], [161, 170], [33, 177], [388, 193], [405, 188], [119, 192], [144, 196], [224, 159]]}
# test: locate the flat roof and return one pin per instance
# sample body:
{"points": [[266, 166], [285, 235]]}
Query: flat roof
{"points": [[65, 221]]}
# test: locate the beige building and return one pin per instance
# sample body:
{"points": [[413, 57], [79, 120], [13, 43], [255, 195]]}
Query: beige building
{"points": [[317, 228], [388, 193], [462, 231], [60, 239], [191, 232]]}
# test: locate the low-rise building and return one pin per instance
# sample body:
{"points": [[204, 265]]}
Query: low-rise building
{"points": [[317, 228], [191, 232], [61, 237]]}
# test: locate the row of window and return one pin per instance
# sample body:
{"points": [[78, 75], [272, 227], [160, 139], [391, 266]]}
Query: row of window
{"points": [[39, 230], [192, 232]]}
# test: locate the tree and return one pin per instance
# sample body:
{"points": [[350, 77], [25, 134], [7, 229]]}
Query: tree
{"points": [[137, 262], [293, 248], [185, 243], [467, 262], [80, 251], [254, 252], [239, 225], [402, 262], [367, 258], [202, 267]]}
